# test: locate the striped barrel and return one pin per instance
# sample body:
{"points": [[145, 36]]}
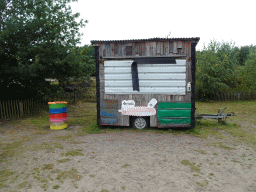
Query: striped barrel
{"points": [[58, 115]]}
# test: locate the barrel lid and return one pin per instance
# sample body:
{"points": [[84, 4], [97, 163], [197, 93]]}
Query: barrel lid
{"points": [[58, 102]]}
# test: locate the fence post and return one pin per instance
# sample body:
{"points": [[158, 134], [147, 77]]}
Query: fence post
{"points": [[74, 95], [21, 108], [1, 109]]}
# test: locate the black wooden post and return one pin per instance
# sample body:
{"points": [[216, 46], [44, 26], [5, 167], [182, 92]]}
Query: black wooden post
{"points": [[193, 72], [97, 83]]}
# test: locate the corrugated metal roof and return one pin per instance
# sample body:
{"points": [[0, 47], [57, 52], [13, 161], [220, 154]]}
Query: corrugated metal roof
{"points": [[152, 39]]}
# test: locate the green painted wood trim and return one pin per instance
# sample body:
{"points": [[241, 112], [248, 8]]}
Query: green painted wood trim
{"points": [[164, 105], [54, 106], [174, 121], [174, 113]]}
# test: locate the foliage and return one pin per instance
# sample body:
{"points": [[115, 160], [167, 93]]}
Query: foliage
{"points": [[248, 73], [86, 57], [38, 40], [216, 69], [243, 54]]}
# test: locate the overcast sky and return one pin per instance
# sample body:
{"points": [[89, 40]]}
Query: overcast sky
{"points": [[223, 20]]}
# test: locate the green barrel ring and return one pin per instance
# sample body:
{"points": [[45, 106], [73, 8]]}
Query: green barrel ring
{"points": [[54, 106]]}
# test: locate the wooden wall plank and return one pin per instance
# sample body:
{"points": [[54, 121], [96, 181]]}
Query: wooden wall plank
{"points": [[159, 76], [145, 90], [147, 68], [175, 46], [145, 83]]}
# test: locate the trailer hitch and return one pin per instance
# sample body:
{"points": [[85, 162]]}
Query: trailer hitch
{"points": [[220, 116]]}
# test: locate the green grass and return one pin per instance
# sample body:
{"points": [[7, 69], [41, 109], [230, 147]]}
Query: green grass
{"points": [[63, 160], [104, 190], [13, 149], [75, 152], [56, 187], [220, 145], [201, 151], [125, 165], [47, 166], [23, 184], [71, 174], [242, 109], [4, 176], [203, 184], [84, 114], [235, 161], [65, 137], [192, 165]]}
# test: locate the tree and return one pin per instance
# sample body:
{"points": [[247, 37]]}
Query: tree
{"points": [[248, 73], [243, 54], [216, 69], [38, 40]]}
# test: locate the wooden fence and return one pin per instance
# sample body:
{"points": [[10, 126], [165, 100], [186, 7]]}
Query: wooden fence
{"points": [[19, 108], [234, 96], [75, 96]]}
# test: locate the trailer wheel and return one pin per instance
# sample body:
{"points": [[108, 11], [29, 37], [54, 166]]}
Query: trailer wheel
{"points": [[140, 122]]}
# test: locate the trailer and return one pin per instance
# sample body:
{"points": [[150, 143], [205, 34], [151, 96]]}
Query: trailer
{"points": [[221, 117], [146, 82]]}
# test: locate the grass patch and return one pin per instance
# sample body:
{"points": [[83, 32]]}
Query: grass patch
{"points": [[203, 184], [125, 165], [63, 160], [104, 190], [123, 187], [220, 145], [43, 146], [58, 145], [37, 121], [75, 152], [215, 154], [47, 166], [56, 187], [4, 175], [90, 129], [211, 174], [22, 185], [92, 176], [192, 165], [241, 109], [65, 137], [235, 161], [201, 151], [14, 178], [44, 186], [72, 174], [76, 142], [12, 149], [49, 177]]}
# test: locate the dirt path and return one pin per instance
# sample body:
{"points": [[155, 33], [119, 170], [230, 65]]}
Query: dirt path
{"points": [[126, 161]]}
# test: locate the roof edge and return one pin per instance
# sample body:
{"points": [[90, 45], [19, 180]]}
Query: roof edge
{"points": [[151, 39]]}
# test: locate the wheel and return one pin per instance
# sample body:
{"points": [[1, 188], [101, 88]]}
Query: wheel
{"points": [[140, 122]]}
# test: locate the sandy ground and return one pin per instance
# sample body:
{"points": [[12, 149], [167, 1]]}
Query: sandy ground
{"points": [[127, 161]]}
